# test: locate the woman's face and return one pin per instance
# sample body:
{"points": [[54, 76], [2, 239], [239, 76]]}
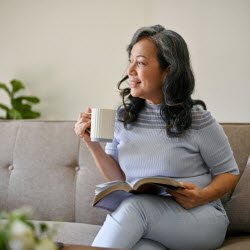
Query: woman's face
{"points": [[144, 72]]}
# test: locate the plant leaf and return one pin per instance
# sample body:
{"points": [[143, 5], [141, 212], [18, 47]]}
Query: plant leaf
{"points": [[18, 105], [32, 99], [30, 114], [43, 227], [4, 237], [5, 88], [2, 106], [24, 108], [14, 114], [16, 85]]}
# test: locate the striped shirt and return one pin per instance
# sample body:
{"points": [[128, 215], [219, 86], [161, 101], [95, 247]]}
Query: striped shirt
{"points": [[144, 148]]}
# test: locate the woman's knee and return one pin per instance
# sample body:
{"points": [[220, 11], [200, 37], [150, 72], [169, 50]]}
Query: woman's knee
{"points": [[146, 244], [131, 204], [131, 210]]}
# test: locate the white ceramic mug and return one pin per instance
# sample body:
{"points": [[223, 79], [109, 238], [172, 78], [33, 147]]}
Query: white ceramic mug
{"points": [[102, 124]]}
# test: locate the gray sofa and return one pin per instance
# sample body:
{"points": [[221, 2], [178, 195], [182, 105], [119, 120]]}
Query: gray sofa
{"points": [[44, 165]]}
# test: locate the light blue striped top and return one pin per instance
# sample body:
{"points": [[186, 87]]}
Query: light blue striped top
{"points": [[144, 149]]}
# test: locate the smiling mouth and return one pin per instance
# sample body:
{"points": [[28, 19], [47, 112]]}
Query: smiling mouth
{"points": [[133, 84]]}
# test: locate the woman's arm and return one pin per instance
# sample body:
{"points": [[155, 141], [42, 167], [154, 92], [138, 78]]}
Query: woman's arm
{"points": [[192, 196], [107, 166], [220, 185], [217, 155]]}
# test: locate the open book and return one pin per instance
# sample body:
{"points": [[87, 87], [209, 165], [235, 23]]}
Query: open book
{"points": [[110, 194]]}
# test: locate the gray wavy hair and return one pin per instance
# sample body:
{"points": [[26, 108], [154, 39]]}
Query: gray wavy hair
{"points": [[178, 86]]}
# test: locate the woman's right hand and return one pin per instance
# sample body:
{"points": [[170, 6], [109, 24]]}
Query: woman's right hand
{"points": [[107, 166], [83, 124]]}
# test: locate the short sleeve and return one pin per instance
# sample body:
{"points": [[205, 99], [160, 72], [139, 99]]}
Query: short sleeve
{"points": [[214, 147], [111, 149]]}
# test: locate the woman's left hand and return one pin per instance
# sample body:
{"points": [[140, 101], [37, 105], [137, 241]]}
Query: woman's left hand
{"points": [[188, 197]]}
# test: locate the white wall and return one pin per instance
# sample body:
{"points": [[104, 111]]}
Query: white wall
{"points": [[71, 53], [218, 35]]}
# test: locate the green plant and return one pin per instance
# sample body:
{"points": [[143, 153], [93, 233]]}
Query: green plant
{"points": [[19, 233], [20, 105]]}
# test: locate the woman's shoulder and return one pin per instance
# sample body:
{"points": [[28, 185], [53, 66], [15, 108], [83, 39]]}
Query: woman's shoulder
{"points": [[201, 118]]}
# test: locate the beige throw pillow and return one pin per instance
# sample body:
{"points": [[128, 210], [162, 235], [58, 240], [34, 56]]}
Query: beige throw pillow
{"points": [[238, 207]]}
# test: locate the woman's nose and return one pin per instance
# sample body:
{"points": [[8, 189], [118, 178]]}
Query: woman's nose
{"points": [[131, 69]]}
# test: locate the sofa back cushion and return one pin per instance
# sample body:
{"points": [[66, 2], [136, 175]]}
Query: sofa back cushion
{"points": [[238, 207], [239, 138], [40, 166]]}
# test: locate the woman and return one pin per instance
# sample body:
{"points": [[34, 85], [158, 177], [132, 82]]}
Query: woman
{"points": [[161, 131]]}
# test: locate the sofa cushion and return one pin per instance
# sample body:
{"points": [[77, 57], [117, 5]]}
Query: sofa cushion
{"points": [[236, 242], [74, 233], [8, 132], [42, 174], [44, 165], [238, 206], [239, 137], [87, 178]]}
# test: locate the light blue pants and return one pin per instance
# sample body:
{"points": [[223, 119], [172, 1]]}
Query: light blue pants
{"points": [[147, 222]]}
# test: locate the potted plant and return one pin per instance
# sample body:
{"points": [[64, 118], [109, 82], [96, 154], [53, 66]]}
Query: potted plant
{"points": [[17, 232], [21, 106]]}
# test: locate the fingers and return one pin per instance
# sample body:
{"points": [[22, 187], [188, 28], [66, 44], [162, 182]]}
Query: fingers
{"points": [[83, 124], [84, 127], [87, 125], [177, 194], [88, 110], [84, 117], [180, 192], [80, 129], [188, 185], [184, 201]]}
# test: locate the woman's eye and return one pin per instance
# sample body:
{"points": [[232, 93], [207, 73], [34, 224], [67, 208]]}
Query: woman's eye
{"points": [[140, 63]]}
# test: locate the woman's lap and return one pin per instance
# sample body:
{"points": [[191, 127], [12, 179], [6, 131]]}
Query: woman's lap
{"points": [[162, 220]]}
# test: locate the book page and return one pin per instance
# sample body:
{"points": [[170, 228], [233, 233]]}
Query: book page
{"points": [[160, 180], [103, 186]]}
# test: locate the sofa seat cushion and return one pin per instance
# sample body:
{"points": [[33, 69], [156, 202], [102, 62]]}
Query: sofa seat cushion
{"points": [[236, 242], [74, 233]]}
